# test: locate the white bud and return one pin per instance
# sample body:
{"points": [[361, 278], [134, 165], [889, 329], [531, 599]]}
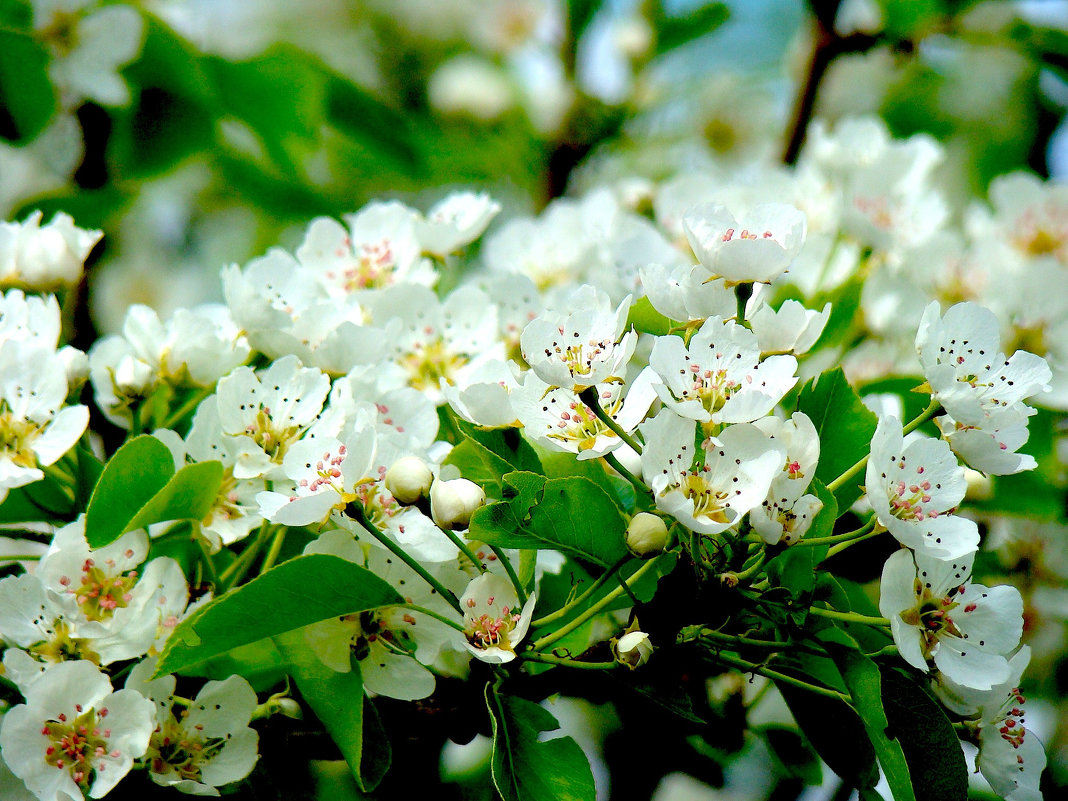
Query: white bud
{"points": [[408, 479], [453, 502], [647, 535], [76, 365], [133, 377], [633, 649]]}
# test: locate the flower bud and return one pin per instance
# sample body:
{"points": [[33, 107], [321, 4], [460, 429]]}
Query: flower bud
{"points": [[647, 535], [76, 365], [408, 479], [453, 502], [633, 649]]}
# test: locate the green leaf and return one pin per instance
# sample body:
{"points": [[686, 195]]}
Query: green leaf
{"points": [[338, 700], [89, 471], [527, 768], [486, 456], [131, 478], [672, 32], [919, 723], [836, 732], [864, 681], [42, 500], [569, 514], [296, 593], [845, 427], [795, 569], [27, 99], [794, 754], [189, 495], [372, 124], [643, 317]]}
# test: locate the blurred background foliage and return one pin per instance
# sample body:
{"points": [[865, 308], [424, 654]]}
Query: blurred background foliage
{"points": [[197, 133], [228, 125]]}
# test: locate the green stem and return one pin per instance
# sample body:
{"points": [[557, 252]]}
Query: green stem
{"points": [[424, 611], [718, 635], [835, 539], [596, 609], [911, 426], [235, 572], [849, 543], [355, 511], [851, 617], [502, 557], [590, 398], [750, 667], [556, 660], [465, 549], [274, 550], [742, 292], [205, 558], [563, 611], [189, 405], [633, 479]]}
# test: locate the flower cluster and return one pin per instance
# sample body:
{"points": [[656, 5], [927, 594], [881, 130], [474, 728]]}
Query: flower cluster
{"points": [[623, 393]]}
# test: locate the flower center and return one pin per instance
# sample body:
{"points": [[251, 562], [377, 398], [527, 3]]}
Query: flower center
{"points": [[490, 629], [62, 647], [372, 268], [931, 615], [712, 387], [74, 744], [16, 439], [707, 501], [184, 751], [99, 593], [429, 362], [272, 437], [580, 425], [579, 356]]}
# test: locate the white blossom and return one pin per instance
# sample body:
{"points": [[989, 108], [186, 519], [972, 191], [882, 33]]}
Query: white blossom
{"points": [[495, 623], [757, 245]]}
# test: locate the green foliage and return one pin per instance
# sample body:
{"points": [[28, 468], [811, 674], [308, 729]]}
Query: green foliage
{"points": [[569, 514], [299, 592], [139, 486], [27, 99], [644, 318], [845, 427], [338, 700], [526, 767], [485, 456], [795, 756], [675, 31]]}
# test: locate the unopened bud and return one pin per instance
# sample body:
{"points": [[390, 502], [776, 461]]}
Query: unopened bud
{"points": [[647, 535], [633, 649], [76, 365], [453, 502], [408, 479]]}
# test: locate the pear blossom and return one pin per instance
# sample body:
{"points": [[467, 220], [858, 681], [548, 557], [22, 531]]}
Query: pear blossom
{"points": [[106, 594], [266, 414], [209, 744], [787, 512], [633, 649], [392, 645], [756, 246], [517, 300], [558, 419], [938, 616], [719, 377], [89, 46], [968, 374], [285, 311], [30, 320], [790, 329], [455, 221], [378, 249], [1010, 757], [914, 490], [408, 479], [494, 621], [234, 511], [685, 292], [36, 429], [585, 347], [708, 493], [74, 735], [439, 339], [1029, 218], [44, 257], [485, 399], [990, 449]]}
